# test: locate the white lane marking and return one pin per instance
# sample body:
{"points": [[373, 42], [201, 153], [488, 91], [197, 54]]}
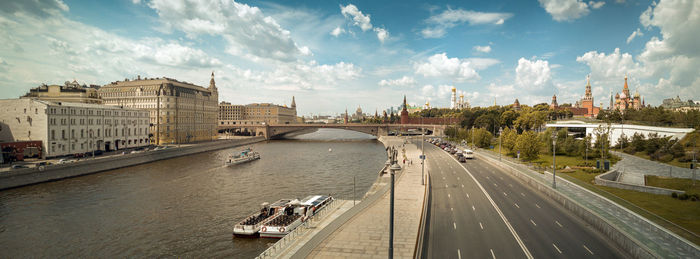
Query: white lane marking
{"points": [[454, 225], [516, 205], [462, 185], [459, 254], [443, 178], [500, 213], [558, 224], [481, 226], [492, 255], [511, 186], [446, 186], [474, 209], [467, 196], [522, 194], [589, 250], [501, 178], [538, 206], [504, 193], [457, 178], [533, 223], [555, 247], [495, 185], [452, 209], [449, 196]]}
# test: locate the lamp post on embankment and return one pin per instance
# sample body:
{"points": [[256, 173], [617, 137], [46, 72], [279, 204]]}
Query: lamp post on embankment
{"points": [[393, 169]]}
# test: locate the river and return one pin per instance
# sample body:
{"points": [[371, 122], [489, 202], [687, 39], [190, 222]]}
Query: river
{"points": [[181, 207]]}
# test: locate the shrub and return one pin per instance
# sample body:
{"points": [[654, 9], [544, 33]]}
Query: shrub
{"points": [[683, 196], [674, 195], [666, 158], [630, 150], [692, 198]]}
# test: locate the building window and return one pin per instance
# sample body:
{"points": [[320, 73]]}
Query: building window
{"points": [[53, 135]]}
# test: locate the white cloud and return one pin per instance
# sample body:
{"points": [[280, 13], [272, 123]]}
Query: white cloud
{"points": [[38, 8], [533, 74], [439, 65], [382, 34], [637, 33], [611, 66], [484, 49], [566, 10], [403, 81], [337, 31], [438, 24], [596, 5], [296, 76], [245, 28], [359, 19]]}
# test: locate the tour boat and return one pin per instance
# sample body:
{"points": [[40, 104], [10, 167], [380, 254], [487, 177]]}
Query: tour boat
{"points": [[293, 215], [250, 226], [246, 155]]}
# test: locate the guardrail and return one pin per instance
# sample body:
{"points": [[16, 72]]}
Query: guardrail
{"points": [[279, 246]]}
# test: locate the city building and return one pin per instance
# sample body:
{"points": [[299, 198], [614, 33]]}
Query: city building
{"points": [[516, 105], [72, 92], [180, 112], [453, 102], [66, 128], [358, 115], [677, 105], [625, 101], [587, 102], [404, 111], [554, 105], [257, 114], [462, 104]]}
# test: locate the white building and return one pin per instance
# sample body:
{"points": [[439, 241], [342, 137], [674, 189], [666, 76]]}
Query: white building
{"points": [[70, 128], [618, 130]]}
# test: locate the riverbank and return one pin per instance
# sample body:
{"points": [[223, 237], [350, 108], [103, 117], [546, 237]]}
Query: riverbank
{"points": [[29, 176]]}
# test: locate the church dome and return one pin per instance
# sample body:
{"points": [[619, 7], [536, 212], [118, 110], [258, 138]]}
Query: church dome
{"points": [[623, 95]]}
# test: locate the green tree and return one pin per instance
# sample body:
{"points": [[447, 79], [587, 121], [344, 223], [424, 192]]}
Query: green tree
{"points": [[509, 139], [529, 145], [482, 137]]}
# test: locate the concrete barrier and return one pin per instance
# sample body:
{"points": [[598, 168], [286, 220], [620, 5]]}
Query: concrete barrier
{"points": [[610, 179], [30, 176]]}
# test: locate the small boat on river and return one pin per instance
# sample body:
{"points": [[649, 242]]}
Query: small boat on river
{"points": [[293, 215], [250, 226], [246, 155]]}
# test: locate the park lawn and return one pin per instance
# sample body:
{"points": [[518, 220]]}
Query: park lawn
{"points": [[673, 162], [651, 206], [674, 183]]}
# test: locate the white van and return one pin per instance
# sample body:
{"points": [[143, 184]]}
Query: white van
{"points": [[468, 154]]}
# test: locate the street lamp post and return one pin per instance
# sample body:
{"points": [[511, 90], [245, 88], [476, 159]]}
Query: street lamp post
{"points": [[554, 159], [394, 168], [472, 137], [500, 142]]}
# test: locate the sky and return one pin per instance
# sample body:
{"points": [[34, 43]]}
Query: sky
{"points": [[332, 55]]}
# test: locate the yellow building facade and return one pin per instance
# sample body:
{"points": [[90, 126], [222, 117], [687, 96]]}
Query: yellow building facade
{"points": [[256, 114], [70, 92], [179, 112]]}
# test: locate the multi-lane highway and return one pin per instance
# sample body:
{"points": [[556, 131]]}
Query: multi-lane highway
{"points": [[478, 211]]}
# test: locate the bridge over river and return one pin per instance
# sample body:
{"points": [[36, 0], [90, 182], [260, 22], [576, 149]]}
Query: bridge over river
{"points": [[272, 131]]}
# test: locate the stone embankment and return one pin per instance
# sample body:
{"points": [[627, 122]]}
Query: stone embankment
{"points": [[28, 176]]}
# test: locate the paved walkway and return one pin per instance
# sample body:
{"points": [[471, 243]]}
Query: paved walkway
{"points": [[367, 234], [634, 168]]}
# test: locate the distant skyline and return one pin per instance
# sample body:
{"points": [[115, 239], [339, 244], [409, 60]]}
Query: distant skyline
{"points": [[334, 55]]}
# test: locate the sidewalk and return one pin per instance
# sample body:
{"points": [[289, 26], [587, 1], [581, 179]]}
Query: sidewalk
{"points": [[366, 235], [634, 165]]}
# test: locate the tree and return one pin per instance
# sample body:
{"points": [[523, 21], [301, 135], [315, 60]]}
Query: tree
{"points": [[509, 139], [482, 138], [529, 145]]}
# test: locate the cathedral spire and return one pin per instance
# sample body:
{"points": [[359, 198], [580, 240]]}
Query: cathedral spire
{"points": [[212, 84], [294, 103], [404, 102]]}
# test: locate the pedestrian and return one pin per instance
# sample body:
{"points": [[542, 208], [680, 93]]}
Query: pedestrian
{"points": [[404, 161]]}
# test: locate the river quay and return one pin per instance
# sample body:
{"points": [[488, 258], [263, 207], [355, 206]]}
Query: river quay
{"points": [[361, 230], [28, 176]]}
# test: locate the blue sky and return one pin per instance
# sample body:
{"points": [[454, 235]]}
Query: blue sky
{"points": [[337, 54]]}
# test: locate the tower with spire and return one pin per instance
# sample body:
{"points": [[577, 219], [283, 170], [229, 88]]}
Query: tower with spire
{"points": [[294, 106], [587, 104], [404, 112], [453, 104], [346, 115], [626, 101]]}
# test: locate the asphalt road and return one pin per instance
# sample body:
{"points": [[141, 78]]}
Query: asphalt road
{"points": [[478, 211]]}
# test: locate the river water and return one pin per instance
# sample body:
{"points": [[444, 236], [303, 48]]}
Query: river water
{"points": [[181, 207]]}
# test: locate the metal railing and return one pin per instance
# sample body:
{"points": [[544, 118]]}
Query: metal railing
{"points": [[312, 222]]}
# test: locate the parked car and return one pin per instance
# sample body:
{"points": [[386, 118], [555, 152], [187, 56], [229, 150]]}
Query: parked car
{"points": [[44, 163], [19, 166], [461, 159], [99, 152], [78, 155]]}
